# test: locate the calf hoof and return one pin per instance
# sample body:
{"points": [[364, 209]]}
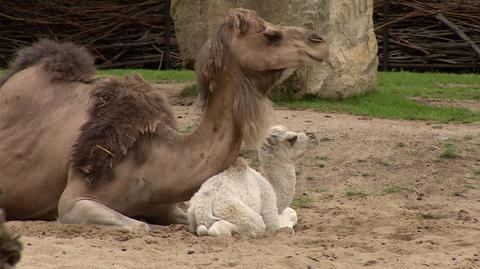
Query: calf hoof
{"points": [[288, 218], [221, 228], [202, 230]]}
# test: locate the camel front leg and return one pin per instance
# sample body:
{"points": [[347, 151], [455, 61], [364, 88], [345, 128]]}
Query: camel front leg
{"points": [[86, 211]]}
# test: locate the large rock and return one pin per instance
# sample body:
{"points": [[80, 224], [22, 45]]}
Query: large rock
{"points": [[346, 24]]}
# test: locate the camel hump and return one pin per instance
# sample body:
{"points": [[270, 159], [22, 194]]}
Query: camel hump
{"points": [[62, 61]]}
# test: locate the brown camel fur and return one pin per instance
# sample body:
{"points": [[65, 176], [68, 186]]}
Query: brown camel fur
{"points": [[106, 151]]}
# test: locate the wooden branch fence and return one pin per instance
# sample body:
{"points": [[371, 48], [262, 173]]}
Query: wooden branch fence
{"points": [[128, 33], [430, 35], [412, 34]]}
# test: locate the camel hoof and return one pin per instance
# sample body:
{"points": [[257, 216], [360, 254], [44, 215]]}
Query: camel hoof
{"points": [[139, 228], [221, 228]]}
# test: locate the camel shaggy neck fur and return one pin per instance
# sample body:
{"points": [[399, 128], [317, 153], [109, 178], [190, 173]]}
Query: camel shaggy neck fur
{"points": [[106, 150], [241, 200]]}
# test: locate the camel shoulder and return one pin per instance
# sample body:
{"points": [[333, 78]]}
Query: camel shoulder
{"points": [[125, 113]]}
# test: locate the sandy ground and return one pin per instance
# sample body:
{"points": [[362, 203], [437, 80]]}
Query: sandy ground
{"points": [[374, 194]]}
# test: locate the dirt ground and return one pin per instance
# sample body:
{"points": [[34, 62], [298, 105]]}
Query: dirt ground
{"points": [[375, 194]]}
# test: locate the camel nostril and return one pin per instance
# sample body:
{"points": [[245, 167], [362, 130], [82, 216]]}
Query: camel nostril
{"points": [[316, 38]]}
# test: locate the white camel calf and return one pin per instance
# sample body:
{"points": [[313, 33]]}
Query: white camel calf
{"points": [[241, 200]]}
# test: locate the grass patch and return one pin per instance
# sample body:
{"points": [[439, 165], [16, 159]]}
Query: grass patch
{"points": [[153, 75], [303, 201], [383, 163], [401, 145], [189, 91], [2, 71], [476, 173], [392, 99], [320, 189], [187, 129], [472, 187], [394, 189], [352, 192], [449, 151], [431, 85], [251, 156]]}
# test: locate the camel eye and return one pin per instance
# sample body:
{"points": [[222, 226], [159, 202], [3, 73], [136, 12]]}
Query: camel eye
{"points": [[272, 36]]}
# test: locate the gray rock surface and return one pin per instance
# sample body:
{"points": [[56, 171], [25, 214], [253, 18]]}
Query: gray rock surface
{"points": [[346, 24]]}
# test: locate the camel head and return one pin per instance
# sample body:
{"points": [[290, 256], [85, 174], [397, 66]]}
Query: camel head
{"points": [[262, 46], [259, 49], [246, 57]]}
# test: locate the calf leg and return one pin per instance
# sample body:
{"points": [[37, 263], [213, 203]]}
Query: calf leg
{"points": [[288, 218], [246, 219]]}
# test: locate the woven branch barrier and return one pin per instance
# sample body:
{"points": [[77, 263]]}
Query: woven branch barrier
{"points": [[129, 33], [428, 34]]}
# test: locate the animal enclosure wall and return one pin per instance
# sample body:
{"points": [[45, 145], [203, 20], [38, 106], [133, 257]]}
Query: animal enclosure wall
{"points": [[428, 35], [129, 33]]}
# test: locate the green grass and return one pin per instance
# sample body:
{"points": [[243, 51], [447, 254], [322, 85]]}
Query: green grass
{"points": [[189, 91], [303, 201], [251, 157], [320, 189], [393, 98], [153, 75], [2, 71], [352, 192], [431, 85], [449, 151], [395, 189]]}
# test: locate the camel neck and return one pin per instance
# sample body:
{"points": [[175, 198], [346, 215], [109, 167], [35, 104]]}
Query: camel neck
{"points": [[209, 149]]}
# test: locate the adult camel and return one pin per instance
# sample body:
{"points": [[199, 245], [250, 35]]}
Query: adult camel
{"points": [[104, 150]]}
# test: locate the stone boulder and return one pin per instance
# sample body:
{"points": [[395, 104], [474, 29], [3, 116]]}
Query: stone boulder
{"points": [[346, 24]]}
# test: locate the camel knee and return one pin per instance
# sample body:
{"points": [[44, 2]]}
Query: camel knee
{"points": [[91, 212]]}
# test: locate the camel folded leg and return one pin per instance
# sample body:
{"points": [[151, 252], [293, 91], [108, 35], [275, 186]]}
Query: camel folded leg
{"points": [[91, 212]]}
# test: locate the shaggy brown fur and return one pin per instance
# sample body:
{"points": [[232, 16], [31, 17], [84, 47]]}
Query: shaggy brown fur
{"points": [[63, 61], [10, 247], [125, 112]]}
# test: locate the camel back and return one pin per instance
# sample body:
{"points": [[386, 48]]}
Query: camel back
{"points": [[61, 61]]}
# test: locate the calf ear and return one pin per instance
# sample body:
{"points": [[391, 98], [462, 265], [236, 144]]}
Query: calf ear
{"points": [[292, 140], [238, 21]]}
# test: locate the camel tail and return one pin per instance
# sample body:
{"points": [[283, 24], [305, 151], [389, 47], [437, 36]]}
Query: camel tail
{"points": [[62, 61]]}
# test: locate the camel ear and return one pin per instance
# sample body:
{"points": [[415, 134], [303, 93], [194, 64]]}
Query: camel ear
{"points": [[239, 22]]}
